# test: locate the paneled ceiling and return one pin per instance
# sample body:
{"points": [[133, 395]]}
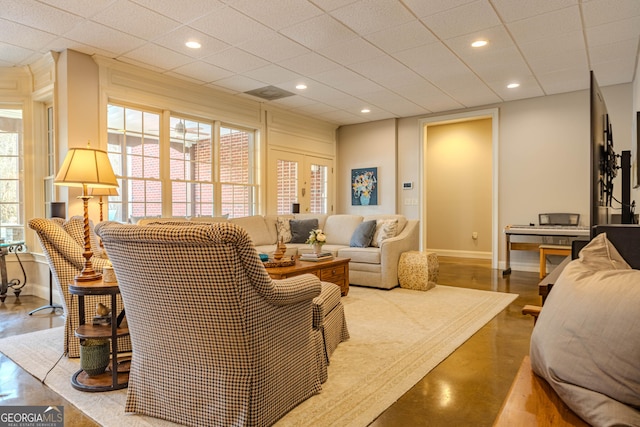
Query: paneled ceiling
{"points": [[397, 58]]}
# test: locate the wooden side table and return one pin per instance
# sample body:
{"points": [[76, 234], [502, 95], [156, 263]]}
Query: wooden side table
{"points": [[118, 376]]}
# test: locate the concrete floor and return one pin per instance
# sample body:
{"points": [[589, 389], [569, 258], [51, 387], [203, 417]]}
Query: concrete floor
{"points": [[466, 389]]}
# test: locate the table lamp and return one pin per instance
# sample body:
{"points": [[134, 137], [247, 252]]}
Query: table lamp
{"points": [[100, 192], [86, 167]]}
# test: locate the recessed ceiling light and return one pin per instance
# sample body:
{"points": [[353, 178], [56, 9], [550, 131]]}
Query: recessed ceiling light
{"points": [[365, 110], [192, 44], [513, 85], [479, 43], [301, 86]]}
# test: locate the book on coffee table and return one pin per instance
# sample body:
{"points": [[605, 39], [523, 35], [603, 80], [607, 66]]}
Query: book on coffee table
{"points": [[316, 257]]}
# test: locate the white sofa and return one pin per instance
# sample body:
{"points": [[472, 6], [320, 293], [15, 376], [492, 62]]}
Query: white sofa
{"points": [[370, 266]]}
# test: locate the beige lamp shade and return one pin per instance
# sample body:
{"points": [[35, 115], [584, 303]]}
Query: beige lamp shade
{"points": [[103, 191], [86, 166]]}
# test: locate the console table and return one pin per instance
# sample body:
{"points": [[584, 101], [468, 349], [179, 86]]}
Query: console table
{"points": [[118, 377], [5, 249]]}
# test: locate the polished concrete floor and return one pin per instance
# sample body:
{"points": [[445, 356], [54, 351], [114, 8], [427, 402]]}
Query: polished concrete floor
{"points": [[466, 389]]}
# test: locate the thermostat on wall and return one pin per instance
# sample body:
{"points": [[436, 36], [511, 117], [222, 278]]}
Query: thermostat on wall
{"points": [[407, 185]]}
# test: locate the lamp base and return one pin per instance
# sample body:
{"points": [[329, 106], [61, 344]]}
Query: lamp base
{"points": [[88, 277]]}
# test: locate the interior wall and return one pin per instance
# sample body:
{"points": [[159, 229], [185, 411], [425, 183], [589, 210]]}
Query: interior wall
{"points": [[458, 188], [362, 146], [543, 157]]}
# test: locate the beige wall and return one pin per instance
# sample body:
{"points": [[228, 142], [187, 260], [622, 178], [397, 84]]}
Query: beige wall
{"points": [[543, 157], [362, 146], [458, 188]]}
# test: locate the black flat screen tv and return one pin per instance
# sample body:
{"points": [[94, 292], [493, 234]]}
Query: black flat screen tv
{"points": [[599, 120]]}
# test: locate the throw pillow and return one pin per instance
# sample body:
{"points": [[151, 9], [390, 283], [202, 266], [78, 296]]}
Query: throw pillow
{"points": [[587, 340], [363, 234], [284, 229], [385, 229], [300, 229]]}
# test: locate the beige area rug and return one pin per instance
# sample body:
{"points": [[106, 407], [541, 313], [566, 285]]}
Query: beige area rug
{"points": [[397, 337]]}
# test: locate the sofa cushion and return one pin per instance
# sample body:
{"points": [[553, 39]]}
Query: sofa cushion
{"points": [[361, 237], [385, 229], [361, 255], [257, 228], [586, 341], [209, 219], [322, 218], [300, 229], [340, 228]]}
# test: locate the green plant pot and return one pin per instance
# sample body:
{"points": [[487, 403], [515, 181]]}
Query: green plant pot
{"points": [[94, 356]]}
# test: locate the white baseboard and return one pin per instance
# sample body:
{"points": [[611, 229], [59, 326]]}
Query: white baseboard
{"points": [[461, 254]]}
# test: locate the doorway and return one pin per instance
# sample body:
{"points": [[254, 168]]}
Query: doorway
{"points": [[459, 172]]}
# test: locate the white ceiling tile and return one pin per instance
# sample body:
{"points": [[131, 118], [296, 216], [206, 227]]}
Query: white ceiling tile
{"points": [[202, 71], [550, 24], [386, 71], [293, 102], [175, 40], [38, 15], [612, 72], [329, 5], [598, 12], [84, 8], [511, 10], [570, 44], [274, 47], [183, 11], [473, 95], [135, 20], [429, 97], [435, 62], [612, 52], [316, 108], [319, 32], [422, 8], [60, 44], [159, 56], [23, 36], [141, 64], [528, 88], [239, 83], [462, 20], [608, 34], [369, 16], [105, 38], [567, 80], [277, 14], [309, 63], [235, 60], [272, 74], [347, 80], [406, 36], [350, 51], [14, 54], [230, 26]]}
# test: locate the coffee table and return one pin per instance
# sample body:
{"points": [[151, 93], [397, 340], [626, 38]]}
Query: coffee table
{"points": [[335, 270]]}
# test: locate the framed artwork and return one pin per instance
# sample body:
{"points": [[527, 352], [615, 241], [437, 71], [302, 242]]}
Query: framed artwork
{"points": [[364, 186]]}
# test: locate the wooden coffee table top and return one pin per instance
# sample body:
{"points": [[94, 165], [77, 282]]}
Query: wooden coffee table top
{"points": [[302, 267], [335, 270]]}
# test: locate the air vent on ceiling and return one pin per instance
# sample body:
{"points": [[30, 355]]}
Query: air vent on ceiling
{"points": [[270, 93]]}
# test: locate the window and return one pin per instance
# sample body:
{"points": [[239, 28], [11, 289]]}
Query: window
{"points": [[287, 185], [318, 189], [140, 149], [134, 151], [11, 170], [50, 167], [191, 170], [237, 172]]}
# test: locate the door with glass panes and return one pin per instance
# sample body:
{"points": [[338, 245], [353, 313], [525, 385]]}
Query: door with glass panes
{"points": [[302, 179]]}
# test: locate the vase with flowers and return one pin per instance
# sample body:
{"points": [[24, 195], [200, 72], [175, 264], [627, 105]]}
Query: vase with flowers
{"points": [[317, 238]]}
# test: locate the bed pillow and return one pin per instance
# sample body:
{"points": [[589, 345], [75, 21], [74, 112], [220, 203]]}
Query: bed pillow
{"points": [[586, 341], [363, 234], [385, 229], [300, 229]]}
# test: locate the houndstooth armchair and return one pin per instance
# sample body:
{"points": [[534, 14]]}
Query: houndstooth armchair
{"points": [[63, 246], [215, 340]]}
